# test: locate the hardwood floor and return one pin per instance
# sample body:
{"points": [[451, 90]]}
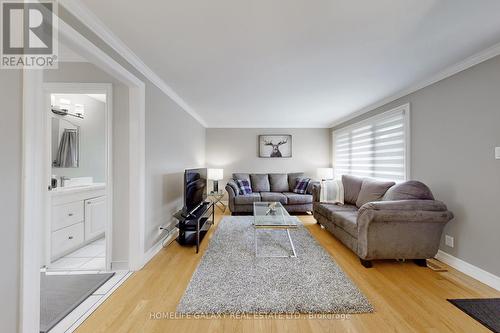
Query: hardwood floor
{"points": [[406, 298]]}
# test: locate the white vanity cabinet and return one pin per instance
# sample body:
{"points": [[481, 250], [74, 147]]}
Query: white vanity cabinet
{"points": [[78, 217], [95, 217]]}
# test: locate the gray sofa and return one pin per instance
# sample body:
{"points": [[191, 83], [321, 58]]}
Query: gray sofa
{"points": [[269, 187], [385, 221]]}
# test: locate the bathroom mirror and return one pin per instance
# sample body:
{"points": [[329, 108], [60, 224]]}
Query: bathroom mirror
{"points": [[65, 143]]}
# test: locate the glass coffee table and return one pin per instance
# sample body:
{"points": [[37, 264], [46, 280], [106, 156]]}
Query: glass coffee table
{"points": [[272, 215]]}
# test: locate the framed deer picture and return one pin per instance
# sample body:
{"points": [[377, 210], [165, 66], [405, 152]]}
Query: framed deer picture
{"points": [[275, 146]]}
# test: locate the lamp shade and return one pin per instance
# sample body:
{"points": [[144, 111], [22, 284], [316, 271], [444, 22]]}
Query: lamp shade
{"points": [[325, 173], [215, 174]]}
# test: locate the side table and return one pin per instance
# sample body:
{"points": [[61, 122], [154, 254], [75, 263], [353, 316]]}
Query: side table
{"points": [[216, 198]]}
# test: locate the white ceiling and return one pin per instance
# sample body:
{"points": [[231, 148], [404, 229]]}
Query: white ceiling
{"points": [[296, 63]]}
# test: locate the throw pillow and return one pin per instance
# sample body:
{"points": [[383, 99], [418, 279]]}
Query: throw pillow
{"points": [[352, 186], [292, 179], [372, 190], [332, 191], [301, 185], [260, 182], [244, 186]]}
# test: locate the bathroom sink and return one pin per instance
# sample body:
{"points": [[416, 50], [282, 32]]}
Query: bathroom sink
{"points": [[78, 186]]}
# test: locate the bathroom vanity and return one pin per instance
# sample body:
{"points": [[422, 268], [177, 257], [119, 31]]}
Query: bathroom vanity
{"points": [[78, 217]]}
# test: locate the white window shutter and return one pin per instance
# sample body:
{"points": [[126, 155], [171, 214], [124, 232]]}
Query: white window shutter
{"points": [[377, 147]]}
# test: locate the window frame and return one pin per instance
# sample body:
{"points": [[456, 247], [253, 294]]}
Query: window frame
{"points": [[405, 110]]}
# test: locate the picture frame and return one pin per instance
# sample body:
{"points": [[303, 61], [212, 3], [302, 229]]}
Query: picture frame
{"points": [[275, 146]]}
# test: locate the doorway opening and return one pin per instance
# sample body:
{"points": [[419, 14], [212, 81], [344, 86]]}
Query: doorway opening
{"points": [[79, 196], [128, 249]]}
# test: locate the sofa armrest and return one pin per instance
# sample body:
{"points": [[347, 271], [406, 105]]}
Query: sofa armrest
{"points": [[425, 205], [404, 211], [232, 188], [401, 229], [231, 193], [316, 191], [311, 185]]}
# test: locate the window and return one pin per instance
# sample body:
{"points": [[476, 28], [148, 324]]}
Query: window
{"points": [[377, 147]]}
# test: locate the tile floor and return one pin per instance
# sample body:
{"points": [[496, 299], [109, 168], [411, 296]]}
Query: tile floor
{"points": [[91, 257]]}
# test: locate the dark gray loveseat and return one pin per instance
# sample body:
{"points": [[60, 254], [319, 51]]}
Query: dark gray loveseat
{"points": [[270, 187], [400, 221]]}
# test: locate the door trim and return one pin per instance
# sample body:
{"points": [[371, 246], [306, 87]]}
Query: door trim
{"points": [[33, 181], [83, 88]]}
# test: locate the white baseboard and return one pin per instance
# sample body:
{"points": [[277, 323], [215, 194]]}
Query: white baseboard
{"points": [[119, 266], [468, 269], [158, 246]]}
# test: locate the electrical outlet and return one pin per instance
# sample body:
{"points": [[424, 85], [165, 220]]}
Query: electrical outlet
{"points": [[449, 241]]}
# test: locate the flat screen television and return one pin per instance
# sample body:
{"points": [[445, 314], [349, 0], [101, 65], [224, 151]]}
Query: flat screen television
{"points": [[195, 189]]}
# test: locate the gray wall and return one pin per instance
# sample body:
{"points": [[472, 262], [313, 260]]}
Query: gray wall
{"points": [[10, 196], [88, 73], [237, 150], [92, 131], [454, 129], [174, 142]]}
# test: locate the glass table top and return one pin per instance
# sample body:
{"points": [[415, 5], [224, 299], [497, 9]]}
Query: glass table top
{"points": [[272, 214]]}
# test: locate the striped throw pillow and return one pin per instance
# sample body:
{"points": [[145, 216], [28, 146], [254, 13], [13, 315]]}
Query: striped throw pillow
{"points": [[244, 186], [301, 185]]}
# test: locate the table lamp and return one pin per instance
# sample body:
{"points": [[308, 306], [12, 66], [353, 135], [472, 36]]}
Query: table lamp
{"points": [[325, 173], [216, 175]]}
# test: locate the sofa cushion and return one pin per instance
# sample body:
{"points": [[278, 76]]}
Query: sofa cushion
{"points": [[327, 210], [352, 186], [298, 199], [247, 199], [279, 182], [410, 190], [343, 216], [260, 182], [292, 179], [244, 176], [372, 190], [273, 197], [347, 220]]}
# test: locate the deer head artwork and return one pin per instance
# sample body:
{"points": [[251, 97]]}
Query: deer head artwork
{"points": [[276, 150]]}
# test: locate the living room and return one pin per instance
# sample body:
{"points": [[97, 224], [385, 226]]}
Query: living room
{"points": [[299, 166]]}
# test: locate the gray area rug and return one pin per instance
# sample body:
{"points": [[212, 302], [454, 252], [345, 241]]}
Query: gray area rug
{"points": [[231, 279], [61, 294]]}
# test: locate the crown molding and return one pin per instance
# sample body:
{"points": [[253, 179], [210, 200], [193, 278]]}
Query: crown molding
{"points": [[271, 124], [87, 17], [471, 61]]}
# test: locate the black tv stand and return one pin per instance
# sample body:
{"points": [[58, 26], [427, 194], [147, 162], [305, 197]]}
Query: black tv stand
{"points": [[194, 226]]}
